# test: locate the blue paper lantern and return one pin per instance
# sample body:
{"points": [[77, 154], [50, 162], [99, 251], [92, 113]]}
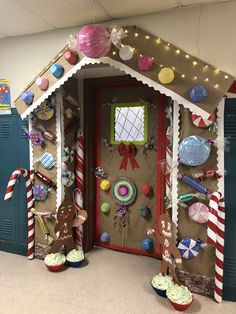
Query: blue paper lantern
{"points": [[194, 150], [57, 70], [27, 97], [197, 93], [147, 244]]}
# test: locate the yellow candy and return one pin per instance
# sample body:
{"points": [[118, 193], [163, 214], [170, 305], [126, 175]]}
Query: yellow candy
{"points": [[166, 75], [105, 185]]}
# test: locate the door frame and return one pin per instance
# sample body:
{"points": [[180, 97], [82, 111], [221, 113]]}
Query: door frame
{"points": [[92, 92]]}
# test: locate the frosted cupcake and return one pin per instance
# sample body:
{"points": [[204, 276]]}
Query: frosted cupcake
{"points": [[55, 261], [75, 258], [161, 283], [180, 297]]}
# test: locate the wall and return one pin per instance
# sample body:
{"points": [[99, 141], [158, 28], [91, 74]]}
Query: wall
{"points": [[201, 31]]}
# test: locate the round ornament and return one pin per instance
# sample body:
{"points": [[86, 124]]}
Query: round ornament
{"points": [[105, 185], [147, 189], [166, 75], [36, 138], [94, 41], [124, 191], [47, 161], [145, 212], [42, 83], [199, 212], [105, 208], [145, 63], [105, 237], [189, 248], [27, 97], [147, 244], [126, 52], [40, 192], [203, 123], [194, 150], [68, 178], [45, 112], [197, 93]]}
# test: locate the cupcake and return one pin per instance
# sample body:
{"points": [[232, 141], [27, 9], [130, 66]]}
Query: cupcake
{"points": [[180, 297], [75, 258], [55, 261], [161, 283]]}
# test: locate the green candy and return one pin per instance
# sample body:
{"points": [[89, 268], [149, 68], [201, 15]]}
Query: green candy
{"points": [[105, 208]]}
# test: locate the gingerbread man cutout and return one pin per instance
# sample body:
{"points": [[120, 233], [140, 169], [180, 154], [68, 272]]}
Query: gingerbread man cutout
{"points": [[170, 252], [65, 219]]}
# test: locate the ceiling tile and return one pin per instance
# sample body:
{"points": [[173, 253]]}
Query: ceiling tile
{"points": [[16, 20], [61, 13], [124, 8]]}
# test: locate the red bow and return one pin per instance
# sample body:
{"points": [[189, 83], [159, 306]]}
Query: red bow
{"points": [[128, 152]]}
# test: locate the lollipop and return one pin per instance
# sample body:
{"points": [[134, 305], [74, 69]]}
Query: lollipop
{"points": [[190, 248], [198, 212], [194, 150]]}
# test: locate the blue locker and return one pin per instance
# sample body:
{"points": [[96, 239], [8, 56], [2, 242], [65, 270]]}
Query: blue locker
{"points": [[14, 153]]}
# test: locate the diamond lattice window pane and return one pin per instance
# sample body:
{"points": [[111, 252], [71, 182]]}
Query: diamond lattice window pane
{"points": [[129, 123]]}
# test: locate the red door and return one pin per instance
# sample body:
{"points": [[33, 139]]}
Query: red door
{"points": [[128, 116]]}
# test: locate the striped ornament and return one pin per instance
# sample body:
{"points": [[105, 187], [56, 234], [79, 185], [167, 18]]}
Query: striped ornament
{"points": [[79, 181], [29, 194], [47, 161], [168, 163], [215, 236]]}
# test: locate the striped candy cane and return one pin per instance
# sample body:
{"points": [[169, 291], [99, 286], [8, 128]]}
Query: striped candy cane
{"points": [[79, 164], [215, 236], [168, 163], [29, 194]]}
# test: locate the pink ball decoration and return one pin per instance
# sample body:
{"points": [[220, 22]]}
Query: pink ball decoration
{"points": [[42, 83], [71, 56], [94, 41], [199, 212], [145, 63]]}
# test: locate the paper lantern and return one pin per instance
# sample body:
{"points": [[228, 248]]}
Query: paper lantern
{"points": [[105, 208], [57, 70], [194, 150], [105, 237], [71, 56], [126, 53], [27, 97], [197, 93], [147, 244], [93, 41], [42, 83], [105, 185], [147, 189], [145, 63], [166, 75]]}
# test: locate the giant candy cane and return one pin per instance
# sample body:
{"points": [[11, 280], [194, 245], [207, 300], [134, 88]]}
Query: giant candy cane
{"points": [[215, 236], [29, 194], [79, 162], [168, 162]]}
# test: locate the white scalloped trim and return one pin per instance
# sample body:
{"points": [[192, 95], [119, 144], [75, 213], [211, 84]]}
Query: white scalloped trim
{"points": [[220, 151], [175, 170], [119, 65]]}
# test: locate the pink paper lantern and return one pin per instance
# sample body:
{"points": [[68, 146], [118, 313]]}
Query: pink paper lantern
{"points": [[145, 62], [94, 41]]}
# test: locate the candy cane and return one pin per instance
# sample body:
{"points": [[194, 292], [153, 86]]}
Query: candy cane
{"points": [[215, 236], [79, 162], [168, 163], [29, 194]]}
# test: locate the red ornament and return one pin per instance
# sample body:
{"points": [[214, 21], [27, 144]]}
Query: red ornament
{"points": [[71, 57], [147, 189]]}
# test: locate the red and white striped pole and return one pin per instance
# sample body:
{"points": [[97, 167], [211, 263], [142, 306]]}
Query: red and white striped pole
{"points": [[215, 236], [168, 162], [79, 181], [29, 194]]}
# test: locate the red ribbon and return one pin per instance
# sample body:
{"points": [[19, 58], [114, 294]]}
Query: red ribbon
{"points": [[128, 153]]}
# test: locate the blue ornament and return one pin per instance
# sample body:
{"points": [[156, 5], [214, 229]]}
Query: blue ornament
{"points": [[105, 237], [47, 161], [194, 150], [57, 70], [27, 97], [197, 93], [190, 248], [147, 244]]}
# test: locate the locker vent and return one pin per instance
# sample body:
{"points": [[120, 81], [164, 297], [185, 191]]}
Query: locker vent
{"points": [[5, 130], [230, 122], [6, 227]]}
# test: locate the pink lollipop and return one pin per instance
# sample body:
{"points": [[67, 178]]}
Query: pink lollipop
{"points": [[198, 212]]}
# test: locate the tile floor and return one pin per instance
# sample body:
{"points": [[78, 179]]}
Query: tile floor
{"points": [[111, 283]]}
